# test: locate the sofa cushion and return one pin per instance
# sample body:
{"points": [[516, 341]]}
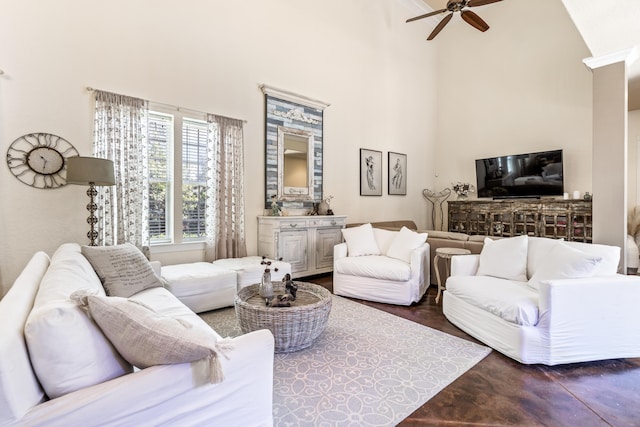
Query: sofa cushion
{"points": [[404, 243], [147, 338], [360, 240], [504, 258], [123, 269], [510, 300], [67, 350], [564, 262], [374, 266]]}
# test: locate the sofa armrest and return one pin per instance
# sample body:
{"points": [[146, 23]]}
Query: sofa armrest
{"points": [[166, 394], [465, 265], [157, 267], [598, 316], [339, 251]]}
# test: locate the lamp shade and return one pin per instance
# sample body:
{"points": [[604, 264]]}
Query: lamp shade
{"points": [[90, 170]]}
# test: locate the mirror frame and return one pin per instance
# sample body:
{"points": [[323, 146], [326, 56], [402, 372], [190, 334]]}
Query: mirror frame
{"points": [[295, 114], [295, 193]]}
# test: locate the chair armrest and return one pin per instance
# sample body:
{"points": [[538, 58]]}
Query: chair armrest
{"points": [[420, 263], [593, 315], [164, 394], [465, 265], [339, 251]]}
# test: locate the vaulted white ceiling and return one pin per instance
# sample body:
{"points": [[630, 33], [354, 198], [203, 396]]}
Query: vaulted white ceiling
{"points": [[605, 26]]}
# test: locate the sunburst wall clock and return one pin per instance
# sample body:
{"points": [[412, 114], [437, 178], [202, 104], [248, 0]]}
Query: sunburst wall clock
{"points": [[40, 159]]}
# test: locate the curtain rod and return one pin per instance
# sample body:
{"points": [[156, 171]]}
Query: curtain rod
{"points": [[91, 89]]}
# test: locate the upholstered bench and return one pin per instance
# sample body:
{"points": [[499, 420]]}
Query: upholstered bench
{"points": [[204, 286], [249, 269], [201, 286]]}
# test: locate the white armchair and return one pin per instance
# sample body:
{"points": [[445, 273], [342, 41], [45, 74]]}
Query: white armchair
{"points": [[381, 265], [568, 304]]}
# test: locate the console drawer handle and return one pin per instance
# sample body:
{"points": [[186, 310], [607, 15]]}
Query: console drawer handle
{"points": [[293, 225]]}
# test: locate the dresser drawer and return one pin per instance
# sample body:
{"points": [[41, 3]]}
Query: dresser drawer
{"points": [[326, 222], [292, 224]]}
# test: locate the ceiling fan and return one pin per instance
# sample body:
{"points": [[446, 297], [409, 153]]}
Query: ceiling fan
{"points": [[458, 6]]}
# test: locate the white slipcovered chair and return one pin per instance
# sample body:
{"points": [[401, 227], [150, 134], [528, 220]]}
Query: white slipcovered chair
{"points": [[540, 300], [381, 265]]}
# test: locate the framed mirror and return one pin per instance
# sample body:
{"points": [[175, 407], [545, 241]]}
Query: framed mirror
{"points": [[293, 149], [295, 164]]}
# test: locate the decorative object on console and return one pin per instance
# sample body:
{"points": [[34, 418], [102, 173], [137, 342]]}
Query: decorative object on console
{"points": [[90, 171], [370, 172], [324, 206], [462, 189], [433, 197], [40, 159], [275, 209], [397, 176]]}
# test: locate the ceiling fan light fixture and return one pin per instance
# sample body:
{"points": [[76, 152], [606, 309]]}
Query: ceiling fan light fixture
{"points": [[453, 6]]}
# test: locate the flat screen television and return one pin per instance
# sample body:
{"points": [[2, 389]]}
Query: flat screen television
{"points": [[521, 175]]}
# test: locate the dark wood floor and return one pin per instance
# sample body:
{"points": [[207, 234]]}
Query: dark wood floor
{"points": [[501, 392]]}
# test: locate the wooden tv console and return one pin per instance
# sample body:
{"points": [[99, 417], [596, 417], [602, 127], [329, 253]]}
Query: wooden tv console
{"points": [[568, 219]]}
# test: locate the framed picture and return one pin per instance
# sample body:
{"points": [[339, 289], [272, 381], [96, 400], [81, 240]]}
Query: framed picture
{"points": [[397, 174], [370, 172]]}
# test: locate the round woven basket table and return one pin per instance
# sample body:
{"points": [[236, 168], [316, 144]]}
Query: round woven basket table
{"points": [[293, 328]]}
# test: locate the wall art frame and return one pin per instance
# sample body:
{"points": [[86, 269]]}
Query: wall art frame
{"points": [[370, 172], [397, 174]]}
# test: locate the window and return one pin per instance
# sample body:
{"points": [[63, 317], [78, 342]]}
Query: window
{"points": [[177, 154]]}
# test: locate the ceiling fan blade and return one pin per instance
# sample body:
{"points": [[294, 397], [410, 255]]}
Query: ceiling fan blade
{"points": [[474, 20], [474, 3], [437, 12], [440, 26]]}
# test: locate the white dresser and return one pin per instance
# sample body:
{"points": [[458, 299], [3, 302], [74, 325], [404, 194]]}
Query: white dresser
{"points": [[306, 242]]}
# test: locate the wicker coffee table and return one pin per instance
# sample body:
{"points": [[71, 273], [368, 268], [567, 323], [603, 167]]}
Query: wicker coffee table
{"points": [[293, 328]]}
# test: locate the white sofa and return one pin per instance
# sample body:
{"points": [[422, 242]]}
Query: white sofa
{"points": [[71, 363], [546, 301], [381, 265]]}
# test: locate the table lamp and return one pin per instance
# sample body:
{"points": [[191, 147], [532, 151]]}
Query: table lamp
{"points": [[90, 171]]}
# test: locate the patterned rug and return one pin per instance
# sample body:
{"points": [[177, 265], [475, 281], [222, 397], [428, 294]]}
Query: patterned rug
{"points": [[368, 368]]}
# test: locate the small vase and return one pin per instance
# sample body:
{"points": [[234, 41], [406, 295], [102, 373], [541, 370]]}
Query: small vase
{"points": [[266, 287], [462, 197]]}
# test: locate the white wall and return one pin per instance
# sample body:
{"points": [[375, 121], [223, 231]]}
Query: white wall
{"points": [[519, 87], [377, 73], [633, 177]]}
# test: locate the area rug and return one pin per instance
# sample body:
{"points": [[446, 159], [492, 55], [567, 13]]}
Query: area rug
{"points": [[368, 368]]}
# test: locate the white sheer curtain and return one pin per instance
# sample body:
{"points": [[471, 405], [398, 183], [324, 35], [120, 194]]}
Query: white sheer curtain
{"points": [[225, 189], [120, 135]]}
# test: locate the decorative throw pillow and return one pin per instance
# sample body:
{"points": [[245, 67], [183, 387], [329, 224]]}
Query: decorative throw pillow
{"points": [[384, 238], [404, 243], [146, 338], [123, 269], [360, 240], [564, 262], [504, 258]]}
